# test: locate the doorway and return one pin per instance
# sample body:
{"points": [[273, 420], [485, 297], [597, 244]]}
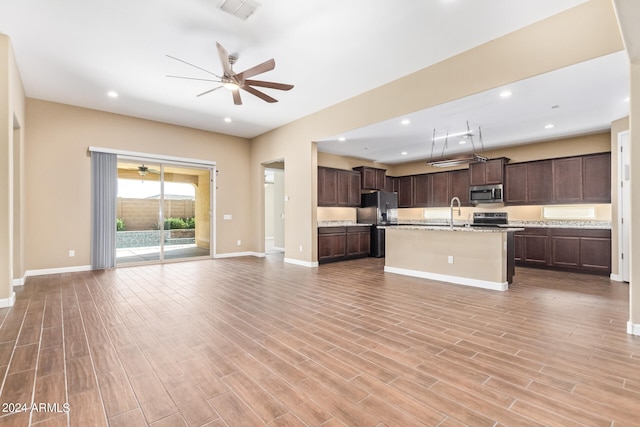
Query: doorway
{"points": [[274, 208], [163, 212]]}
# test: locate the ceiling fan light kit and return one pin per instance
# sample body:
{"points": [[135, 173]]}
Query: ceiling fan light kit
{"points": [[235, 81]]}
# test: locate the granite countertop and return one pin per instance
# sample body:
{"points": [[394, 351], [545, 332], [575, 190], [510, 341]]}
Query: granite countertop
{"points": [[604, 225], [442, 227]]}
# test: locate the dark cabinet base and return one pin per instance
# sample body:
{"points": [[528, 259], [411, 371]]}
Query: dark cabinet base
{"points": [[567, 249], [342, 243]]}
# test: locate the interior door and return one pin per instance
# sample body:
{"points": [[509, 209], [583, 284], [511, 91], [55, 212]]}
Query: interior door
{"points": [[624, 200]]}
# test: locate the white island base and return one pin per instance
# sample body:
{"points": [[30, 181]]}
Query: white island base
{"points": [[481, 258]]}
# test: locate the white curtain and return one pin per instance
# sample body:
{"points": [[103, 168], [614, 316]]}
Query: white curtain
{"points": [[104, 182]]}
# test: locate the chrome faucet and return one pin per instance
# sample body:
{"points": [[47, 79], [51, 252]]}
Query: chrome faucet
{"points": [[455, 199]]}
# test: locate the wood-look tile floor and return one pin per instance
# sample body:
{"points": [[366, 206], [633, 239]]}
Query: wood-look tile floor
{"points": [[252, 341]]}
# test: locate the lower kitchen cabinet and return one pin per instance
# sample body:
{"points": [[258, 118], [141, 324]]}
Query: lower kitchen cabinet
{"points": [[341, 243], [583, 250]]}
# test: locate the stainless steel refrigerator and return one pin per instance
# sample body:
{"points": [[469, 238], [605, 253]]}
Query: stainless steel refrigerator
{"points": [[378, 208]]}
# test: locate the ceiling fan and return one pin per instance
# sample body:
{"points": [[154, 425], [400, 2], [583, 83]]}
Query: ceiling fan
{"points": [[235, 81], [143, 170]]}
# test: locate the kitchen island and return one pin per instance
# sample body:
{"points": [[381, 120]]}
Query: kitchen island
{"points": [[473, 256]]}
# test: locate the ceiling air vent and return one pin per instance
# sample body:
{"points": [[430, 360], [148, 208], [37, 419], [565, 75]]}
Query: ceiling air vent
{"points": [[239, 8]]}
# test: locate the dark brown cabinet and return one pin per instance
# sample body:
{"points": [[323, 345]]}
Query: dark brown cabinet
{"points": [[371, 178], [391, 184], [406, 188], [422, 190], [485, 173], [332, 243], [539, 183], [578, 179], [528, 183], [338, 187], [515, 186], [567, 180], [596, 181], [341, 243], [327, 187], [459, 186], [585, 250], [358, 241], [440, 189], [433, 189]]}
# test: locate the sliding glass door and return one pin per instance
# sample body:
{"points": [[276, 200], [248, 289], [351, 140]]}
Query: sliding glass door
{"points": [[163, 212]]}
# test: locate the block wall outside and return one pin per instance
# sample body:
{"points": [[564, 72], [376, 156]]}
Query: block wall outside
{"points": [[142, 214]]}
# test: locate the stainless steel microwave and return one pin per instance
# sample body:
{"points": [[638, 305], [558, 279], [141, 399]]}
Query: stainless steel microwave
{"points": [[485, 194]]}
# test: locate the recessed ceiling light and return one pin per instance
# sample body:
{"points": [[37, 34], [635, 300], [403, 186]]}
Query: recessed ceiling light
{"points": [[112, 94], [227, 119], [462, 141], [405, 122], [342, 139], [404, 153], [505, 94], [549, 126]]}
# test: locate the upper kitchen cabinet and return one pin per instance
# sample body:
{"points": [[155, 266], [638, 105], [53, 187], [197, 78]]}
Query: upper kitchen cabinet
{"points": [[391, 184], [582, 179], [578, 179], [596, 182], [440, 191], [528, 183], [567, 180], [459, 186], [422, 190], [338, 187], [485, 173], [406, 188], [371, 178]]}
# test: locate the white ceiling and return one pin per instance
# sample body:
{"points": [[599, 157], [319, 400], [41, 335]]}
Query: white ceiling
{"points": [[75, 51]]}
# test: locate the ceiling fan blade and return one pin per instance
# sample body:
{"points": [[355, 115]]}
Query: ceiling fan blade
{"points": [[236, 97], [224, 60], [193, 78], [258, 69], [194, 66], [259, 94], [209, 91], [270, 85]]}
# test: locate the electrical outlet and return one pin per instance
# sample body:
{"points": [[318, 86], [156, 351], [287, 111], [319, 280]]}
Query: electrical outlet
{"points": [[72, 253], [300, 248], [450, 259], [239, 242]]}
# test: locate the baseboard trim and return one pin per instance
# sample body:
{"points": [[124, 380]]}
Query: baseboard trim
{"points": [[59, 270], [301, 263], [8, 302], [239, 254], [616, 277], [633, 329], [19, 282], [484, 284]]}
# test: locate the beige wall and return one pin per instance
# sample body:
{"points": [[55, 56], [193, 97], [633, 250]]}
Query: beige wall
{"points": [[12, 122], [58, 176], [585, 32], [574, 146]]}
